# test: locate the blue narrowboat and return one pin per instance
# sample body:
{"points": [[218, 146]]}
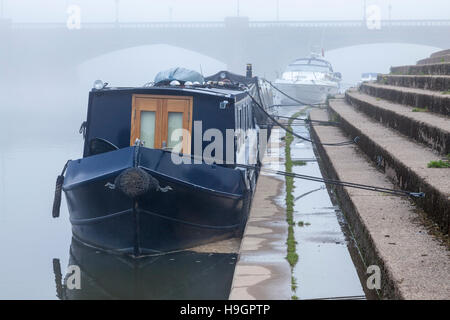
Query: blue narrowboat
{"points": [[161, 164]]}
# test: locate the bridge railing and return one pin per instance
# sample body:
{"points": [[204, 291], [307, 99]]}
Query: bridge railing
{"points": [[251, 24], [123, 25]]}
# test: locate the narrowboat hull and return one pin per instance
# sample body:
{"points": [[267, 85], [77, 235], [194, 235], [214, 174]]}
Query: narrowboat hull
{"points": [[203, 203]]}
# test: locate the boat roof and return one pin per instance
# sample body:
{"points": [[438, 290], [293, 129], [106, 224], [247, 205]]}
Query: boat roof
{"points": [[203, 90]]}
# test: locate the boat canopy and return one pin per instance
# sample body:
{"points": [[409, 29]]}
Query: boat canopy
{"points": [[232, 77], [179, 74]]}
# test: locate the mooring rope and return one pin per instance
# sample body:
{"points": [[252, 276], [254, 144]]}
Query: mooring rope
{"points": [[285, 128], [361, 297], [338, 182], [288, 96], [312, 178], [329, 123], [318, 179]]}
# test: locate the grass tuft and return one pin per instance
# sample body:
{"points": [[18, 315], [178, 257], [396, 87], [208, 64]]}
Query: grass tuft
{"points": [[420, 110], [439, 164], [292, 256], [293, 284], [299, 163]]}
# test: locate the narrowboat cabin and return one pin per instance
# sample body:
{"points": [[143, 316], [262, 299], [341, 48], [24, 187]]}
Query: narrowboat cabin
{"points": [[167, 166]]}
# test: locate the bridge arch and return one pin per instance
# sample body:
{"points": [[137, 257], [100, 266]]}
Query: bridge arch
{"points": [[139, 64], [268, 45], [352, 61]]}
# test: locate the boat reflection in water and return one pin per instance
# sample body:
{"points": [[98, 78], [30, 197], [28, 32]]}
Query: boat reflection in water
{"points": [[172, 276]]}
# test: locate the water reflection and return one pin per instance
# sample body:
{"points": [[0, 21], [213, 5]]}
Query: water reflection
{"points": [[174, 276]]}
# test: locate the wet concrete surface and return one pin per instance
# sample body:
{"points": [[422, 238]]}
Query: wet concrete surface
{"points": [[262, 272], [326, 268]]}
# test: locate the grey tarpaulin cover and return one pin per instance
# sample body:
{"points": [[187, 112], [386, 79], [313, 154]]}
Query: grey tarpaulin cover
{"points": [[180, 74]]}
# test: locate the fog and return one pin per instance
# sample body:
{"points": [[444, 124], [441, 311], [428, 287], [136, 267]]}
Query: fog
{"points": [[42, 105], [207, 10], [38, 99]]}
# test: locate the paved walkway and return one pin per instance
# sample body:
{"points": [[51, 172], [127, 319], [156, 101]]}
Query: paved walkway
{"points": [[262, 272]]}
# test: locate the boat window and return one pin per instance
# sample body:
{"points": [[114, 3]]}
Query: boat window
{"points": [[98, 146], [243, 118], [156, 118], [175, 121], [308, 68], [246, 118], [238, 122], [148, 119]]}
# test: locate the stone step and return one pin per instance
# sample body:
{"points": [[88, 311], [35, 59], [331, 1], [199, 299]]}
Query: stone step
{"points": [[427, 128], [426, 69], [434, 83], [439, 59], [413, 264], [401, 159], [436, 102], [440, 53]]}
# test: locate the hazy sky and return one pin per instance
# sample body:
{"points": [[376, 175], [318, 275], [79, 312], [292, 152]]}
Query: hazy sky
{"points": [[213, 10], [127, 64]]}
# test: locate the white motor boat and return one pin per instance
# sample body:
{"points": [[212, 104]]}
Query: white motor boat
{"points": [[309, 80], [368, 77]]}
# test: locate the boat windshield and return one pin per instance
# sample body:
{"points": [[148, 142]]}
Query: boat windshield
{"points": [[309, 65]]}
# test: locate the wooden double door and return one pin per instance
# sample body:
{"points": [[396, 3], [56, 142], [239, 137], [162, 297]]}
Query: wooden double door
{"points": [[156, 121]]}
